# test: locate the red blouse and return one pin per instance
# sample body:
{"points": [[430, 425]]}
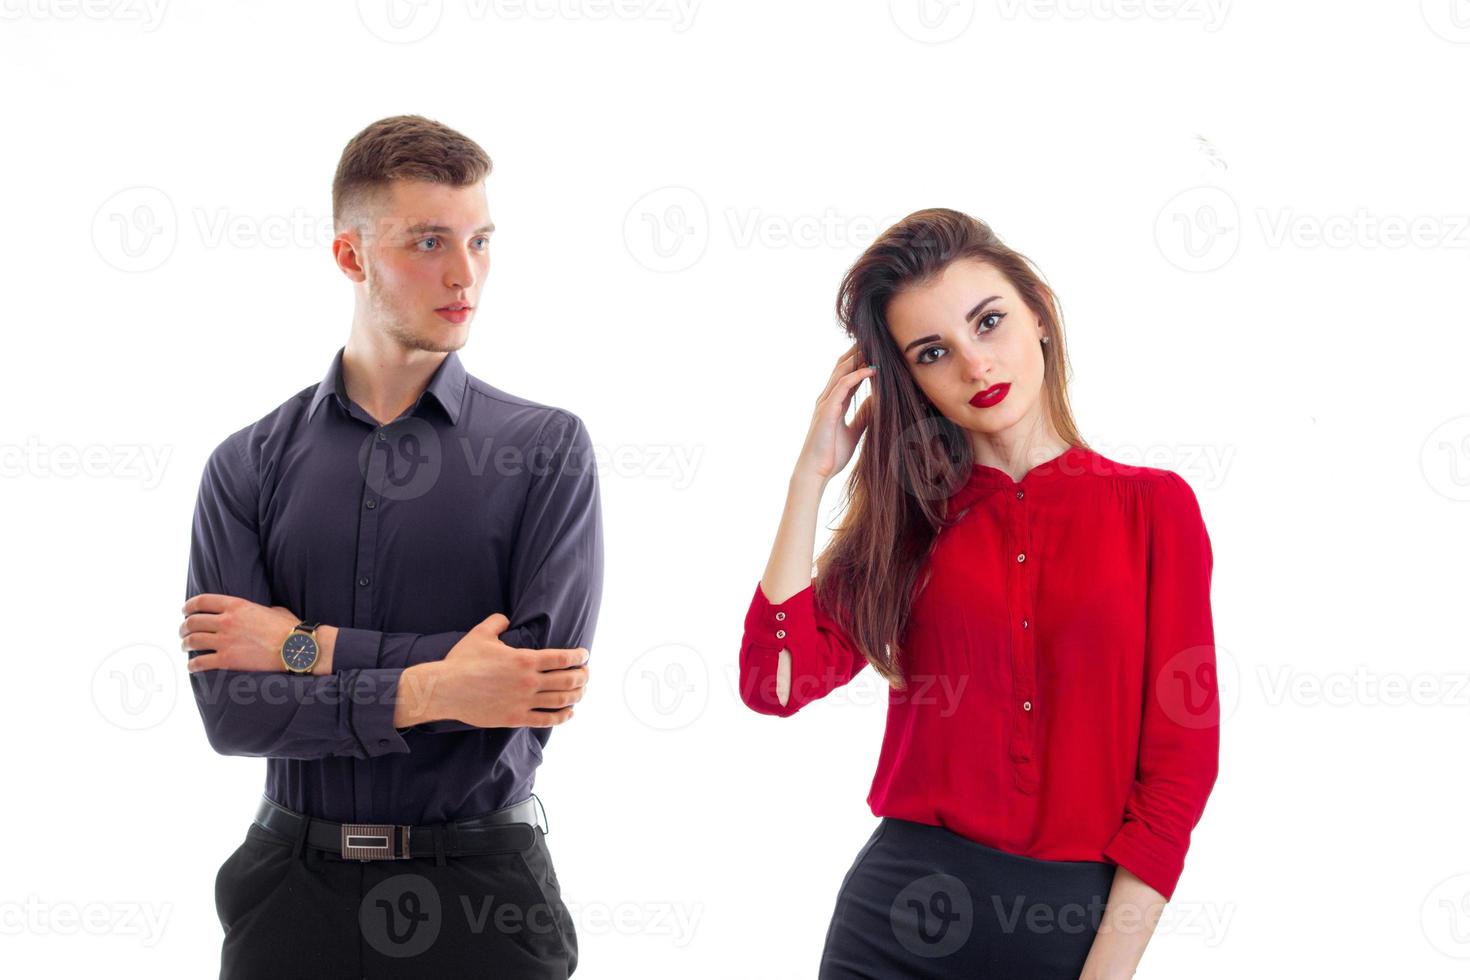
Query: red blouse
{"points": [[1060, 660]]}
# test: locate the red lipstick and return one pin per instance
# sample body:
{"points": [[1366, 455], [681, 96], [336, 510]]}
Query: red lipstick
{"points": [[990, 396]]}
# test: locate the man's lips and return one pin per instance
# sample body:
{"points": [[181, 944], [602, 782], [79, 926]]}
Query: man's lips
{"points": [[990, 396], [454, 313]]}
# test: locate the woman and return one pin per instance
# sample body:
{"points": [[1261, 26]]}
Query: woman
{"points": [[1040, 611]]}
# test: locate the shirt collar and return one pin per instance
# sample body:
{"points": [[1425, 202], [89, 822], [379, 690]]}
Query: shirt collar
{"points": [[985, 479], [447, 385]]}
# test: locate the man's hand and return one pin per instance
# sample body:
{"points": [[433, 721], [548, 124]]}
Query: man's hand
{"points": [[244, 635], [491, 685]]}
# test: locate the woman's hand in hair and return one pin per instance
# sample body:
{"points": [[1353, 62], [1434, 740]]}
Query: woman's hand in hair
{"points": [[830, 441]]}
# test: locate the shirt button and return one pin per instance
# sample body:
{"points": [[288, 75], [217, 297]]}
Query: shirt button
{"points": [[382, 435], [1021, 556], [382, 741], [364, 580], [780, 634], [371, 504], [1027, 705], [780, 616]]}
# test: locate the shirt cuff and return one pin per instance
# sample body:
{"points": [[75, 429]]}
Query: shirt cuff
{"points": [[355, 649], [372, 702]]}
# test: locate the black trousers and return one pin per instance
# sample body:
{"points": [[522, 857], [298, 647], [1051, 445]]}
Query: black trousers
{"points": [[924, 902], [290, 910]]}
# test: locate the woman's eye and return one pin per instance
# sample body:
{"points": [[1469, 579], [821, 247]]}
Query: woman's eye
{"points": [[924, 357]]}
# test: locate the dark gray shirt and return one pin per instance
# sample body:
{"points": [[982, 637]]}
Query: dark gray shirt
{"points": [[404, 535]]}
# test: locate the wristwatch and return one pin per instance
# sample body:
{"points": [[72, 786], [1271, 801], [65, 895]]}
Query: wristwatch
{"points": [[299, 651]]}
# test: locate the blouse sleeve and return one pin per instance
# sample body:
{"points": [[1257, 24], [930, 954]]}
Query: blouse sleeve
{"points": [[1180, 737], [823, 657]]}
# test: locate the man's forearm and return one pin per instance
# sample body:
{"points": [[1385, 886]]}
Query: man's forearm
{"points": [[420, 698]]}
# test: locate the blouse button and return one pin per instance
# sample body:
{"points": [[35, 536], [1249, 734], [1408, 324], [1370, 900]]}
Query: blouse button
{"points": [[1025, 624], [1020, 494], [1027, 705], [780, 616], [1021, 556], [780, 634]]}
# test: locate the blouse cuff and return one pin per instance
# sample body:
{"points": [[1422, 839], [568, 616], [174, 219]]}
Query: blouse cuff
{"points": [[1155, 862], [771, 627]]}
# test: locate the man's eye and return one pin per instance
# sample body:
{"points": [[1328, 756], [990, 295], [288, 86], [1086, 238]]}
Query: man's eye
{"points": [[429, 239]]}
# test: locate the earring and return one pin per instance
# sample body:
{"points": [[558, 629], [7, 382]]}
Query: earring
{"points": [[1045, 340]]}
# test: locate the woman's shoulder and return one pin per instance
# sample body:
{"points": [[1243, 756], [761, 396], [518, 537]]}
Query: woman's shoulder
{"points": [[1167, 491]]}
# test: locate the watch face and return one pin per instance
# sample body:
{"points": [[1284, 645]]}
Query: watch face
{"points": [[299, 651]]}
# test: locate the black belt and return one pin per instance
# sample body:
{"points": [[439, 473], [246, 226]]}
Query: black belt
{"points": [[509, 828]]}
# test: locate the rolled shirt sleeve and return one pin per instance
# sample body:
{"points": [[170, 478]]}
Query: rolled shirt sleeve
{"points": [[259, 713], [1178, 751], [823, 657]]}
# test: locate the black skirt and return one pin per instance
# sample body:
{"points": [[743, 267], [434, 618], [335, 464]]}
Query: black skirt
{"points": [[925, 902]]}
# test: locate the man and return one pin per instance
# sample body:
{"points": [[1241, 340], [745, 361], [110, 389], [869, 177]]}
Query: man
{"points": [[394, 578]]}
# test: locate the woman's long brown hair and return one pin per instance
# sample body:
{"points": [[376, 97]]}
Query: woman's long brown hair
{"points": [[912, 458]]}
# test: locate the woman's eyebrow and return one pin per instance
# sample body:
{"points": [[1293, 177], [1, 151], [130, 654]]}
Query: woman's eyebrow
{"points": [[968, 317]]}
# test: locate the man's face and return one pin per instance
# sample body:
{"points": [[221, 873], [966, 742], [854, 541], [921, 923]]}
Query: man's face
{"points": [[424, 248]]}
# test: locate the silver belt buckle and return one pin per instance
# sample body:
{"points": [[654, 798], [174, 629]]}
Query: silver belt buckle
{"points": [[372, 842]]}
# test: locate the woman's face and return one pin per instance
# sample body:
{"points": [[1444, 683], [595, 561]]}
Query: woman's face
{"points": [[964, 333]]}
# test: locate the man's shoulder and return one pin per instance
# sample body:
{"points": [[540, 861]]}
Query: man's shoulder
{"points": [[498, 409], [245, 443]]}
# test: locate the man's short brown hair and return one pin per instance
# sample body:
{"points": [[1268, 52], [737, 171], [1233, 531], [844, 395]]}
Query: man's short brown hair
{"points": [[402, 147]]}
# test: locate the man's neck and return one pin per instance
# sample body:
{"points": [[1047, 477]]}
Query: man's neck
{"points": [[385, 378]]}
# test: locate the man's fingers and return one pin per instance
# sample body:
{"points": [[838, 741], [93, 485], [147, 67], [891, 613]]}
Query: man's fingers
{"points": [[545, 719], [205, 661], [556, 699], [199, 623], [563, 680], [494, 624], [555, 659], [206, 602]]}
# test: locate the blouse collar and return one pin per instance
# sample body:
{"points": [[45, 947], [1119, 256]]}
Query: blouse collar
{"points": [[983, 479]]}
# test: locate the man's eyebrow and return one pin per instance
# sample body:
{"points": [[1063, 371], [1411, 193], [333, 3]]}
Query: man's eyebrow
{"points": [[979, 307], [423, 229]]}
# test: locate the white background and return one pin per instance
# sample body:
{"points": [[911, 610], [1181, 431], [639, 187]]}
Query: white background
{"points": [[1254, 215]]}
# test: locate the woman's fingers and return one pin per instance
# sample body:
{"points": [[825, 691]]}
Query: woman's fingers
{"points": [[844, 364], [846, 386]]}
